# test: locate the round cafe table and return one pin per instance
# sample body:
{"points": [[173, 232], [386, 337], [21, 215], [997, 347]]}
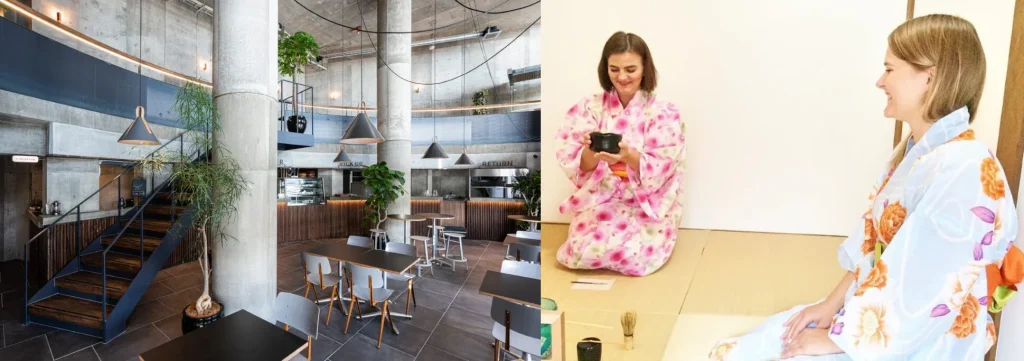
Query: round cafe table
{"points": [[405, 218], [434, 217], [529, 219]]}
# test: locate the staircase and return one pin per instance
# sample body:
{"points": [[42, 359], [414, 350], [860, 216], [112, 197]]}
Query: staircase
{"points": [[96, 292]]}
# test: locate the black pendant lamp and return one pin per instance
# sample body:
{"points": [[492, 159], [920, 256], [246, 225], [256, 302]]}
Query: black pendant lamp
{"points": [[343, 157], [434, 151], [464, 158], [139, 133], [361, 131]]}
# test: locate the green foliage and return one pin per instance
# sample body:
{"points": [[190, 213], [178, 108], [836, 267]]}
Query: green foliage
{"points": [[480, 98], [387, 185], [295, 51], [528, 186]]}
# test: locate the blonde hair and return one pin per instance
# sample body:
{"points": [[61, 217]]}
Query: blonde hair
{"points": [[951, 46]]}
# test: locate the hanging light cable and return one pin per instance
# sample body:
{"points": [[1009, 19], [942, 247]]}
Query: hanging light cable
{"points": [[342, 158], [139, 132], [361, 131], [464, 158], [434, 151]]}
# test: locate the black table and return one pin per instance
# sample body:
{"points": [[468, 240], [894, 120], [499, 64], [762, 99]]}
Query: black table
{"points": [[512, 288], [240, 336], [394, 263], [527, 241]]}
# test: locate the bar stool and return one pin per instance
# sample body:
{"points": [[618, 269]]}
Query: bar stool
{"points": [[426, 251], [440, 235], [379, 237], [455, 237]]}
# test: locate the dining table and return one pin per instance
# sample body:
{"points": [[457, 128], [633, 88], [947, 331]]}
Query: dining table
{"points": [[239, 336], [387, 262], [434, 217]]}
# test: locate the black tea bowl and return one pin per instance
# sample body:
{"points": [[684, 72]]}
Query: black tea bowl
{"points": [[605, 142]]}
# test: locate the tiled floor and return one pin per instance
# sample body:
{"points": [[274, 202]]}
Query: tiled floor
{"points": [[451, 321]]}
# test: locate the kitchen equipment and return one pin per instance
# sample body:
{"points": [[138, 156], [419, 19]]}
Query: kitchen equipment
{"points": [[494, 183]]}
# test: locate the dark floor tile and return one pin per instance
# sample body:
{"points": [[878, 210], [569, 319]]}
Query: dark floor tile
{"points": [[422, 317], [439, 287], [364, 348], [290, 263], [431, 353], [178, 300], [156, 291], [187, 268], [130, 344], [472, 300], [335, 329], [163, 275], [148, 313], [475, 279], [460, 343], [34, 349], [323, 347], [291, 280], [170, 326], [13, 310], [424, 299], [457, 277], [16, 332], [87, 354], [63, 343], [468, 321], [409, 339], [184, 281]]}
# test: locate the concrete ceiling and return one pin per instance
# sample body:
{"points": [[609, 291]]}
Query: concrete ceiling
{"points": [[333, 38]]}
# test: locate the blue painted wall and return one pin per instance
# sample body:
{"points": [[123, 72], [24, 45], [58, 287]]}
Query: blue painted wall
{"points": [[39, 67]]}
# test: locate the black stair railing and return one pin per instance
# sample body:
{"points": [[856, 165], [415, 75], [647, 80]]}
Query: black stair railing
{"points": [[77, 210]]}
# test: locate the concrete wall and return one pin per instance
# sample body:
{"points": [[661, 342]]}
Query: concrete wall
{"points": [[443, 180], [343, 73], [71, 180], [172, 35], [24, 138], [16, 190]]}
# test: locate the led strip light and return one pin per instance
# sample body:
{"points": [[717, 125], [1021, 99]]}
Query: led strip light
{"points": [[36, 16]]}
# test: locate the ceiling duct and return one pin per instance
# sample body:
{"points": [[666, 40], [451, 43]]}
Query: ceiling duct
{"points": [[490, 33], [523, 74]]}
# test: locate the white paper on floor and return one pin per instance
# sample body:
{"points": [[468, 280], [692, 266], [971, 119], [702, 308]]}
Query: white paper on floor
{"points": [[593, 284]]}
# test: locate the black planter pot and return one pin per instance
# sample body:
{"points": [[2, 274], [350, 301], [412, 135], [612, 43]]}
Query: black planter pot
{"points": [[189, 324], [297, 124], [605, 142]]}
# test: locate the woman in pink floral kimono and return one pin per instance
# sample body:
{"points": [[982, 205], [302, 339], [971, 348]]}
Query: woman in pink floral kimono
{"points": [[934, 252], [626, 208]]}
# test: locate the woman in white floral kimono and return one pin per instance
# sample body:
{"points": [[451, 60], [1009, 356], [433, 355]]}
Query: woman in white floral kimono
{"points": [[934, 250], [626, 207]]}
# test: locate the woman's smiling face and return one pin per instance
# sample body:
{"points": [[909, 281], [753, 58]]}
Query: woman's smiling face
{"points": [[626, 72]]}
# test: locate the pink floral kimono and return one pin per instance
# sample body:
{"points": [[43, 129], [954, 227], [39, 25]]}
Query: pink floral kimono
{"points": [[626, 222]]}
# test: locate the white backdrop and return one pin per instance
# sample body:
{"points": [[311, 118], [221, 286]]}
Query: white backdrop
{"points": [[785, 131]]}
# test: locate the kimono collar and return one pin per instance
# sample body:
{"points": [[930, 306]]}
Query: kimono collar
{"points": [[944, 130], [614, 106]]}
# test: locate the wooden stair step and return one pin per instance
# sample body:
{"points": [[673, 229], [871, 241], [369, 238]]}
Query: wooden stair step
{"points": [[156, 225], [72, 310], [115, 261], [92, 283], [164, 210], [131, 241]]}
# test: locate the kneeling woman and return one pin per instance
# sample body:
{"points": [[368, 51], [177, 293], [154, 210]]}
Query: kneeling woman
{"points": [[934, 250], [626, 207]]}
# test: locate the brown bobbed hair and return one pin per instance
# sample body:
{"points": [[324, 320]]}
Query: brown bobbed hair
{"points": [[622, 42]]}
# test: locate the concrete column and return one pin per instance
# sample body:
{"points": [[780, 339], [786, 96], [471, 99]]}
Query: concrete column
{"points": [[394, 99], [245, 74]]}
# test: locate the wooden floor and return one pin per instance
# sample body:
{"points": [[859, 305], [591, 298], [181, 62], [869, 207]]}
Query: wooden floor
{"points": [[717, 284]]}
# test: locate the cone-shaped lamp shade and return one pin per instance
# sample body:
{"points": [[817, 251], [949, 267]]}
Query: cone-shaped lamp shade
{"points": [[343, 157], [139, 133], [435, 151], [464, 159], [361, 131]]}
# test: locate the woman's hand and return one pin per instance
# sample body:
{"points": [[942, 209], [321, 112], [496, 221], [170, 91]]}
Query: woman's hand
{"points": [[812, 342], [820, 314], [588, 160], [626, 154]]}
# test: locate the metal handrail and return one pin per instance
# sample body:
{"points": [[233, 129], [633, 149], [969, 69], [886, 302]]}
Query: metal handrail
{"points": [[77, 209], [142, 236]]}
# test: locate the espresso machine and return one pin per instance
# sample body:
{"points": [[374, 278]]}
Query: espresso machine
{"points": [[494, 182]]}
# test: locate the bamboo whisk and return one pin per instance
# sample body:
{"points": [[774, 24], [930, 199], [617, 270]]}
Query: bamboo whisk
{"points": [[628, 325]]}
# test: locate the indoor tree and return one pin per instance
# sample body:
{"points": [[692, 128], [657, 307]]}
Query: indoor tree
{"points": [[386, 186], [294, 52], [528, 187]]}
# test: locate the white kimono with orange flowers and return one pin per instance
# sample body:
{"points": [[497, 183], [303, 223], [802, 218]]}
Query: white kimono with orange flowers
{"points": [[939, 219]]}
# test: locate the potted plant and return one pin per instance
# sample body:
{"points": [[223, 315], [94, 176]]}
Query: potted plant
{"points": [[211, 186], [480, 98], [528, 188], [386, 186], [294, 52]]}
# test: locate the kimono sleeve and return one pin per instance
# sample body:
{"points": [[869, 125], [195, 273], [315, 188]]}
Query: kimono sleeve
{"points": [[661, 161], [579, 121], [851, 251], [929, 281]]}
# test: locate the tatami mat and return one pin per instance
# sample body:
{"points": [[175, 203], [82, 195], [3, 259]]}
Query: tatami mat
{"points": [[694, 335], [662, 292], [650, 337], [760, 274]]}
